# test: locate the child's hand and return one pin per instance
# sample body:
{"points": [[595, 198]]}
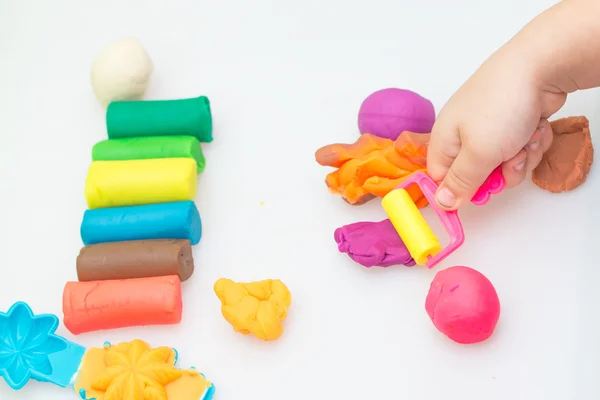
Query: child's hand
{"points": [[499, 116]]}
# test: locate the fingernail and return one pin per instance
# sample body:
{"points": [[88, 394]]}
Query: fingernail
{"points": [[445, 197], [541, 127], [520, 165], [533, 146]]}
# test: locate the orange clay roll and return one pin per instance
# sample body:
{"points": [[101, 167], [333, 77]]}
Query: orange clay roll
{"points": [[100, 305]]}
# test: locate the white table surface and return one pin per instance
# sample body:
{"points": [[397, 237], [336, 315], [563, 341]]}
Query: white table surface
{"points": [[291, 76]]}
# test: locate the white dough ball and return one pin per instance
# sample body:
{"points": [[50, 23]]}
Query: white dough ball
{"points": [[121, 72]]}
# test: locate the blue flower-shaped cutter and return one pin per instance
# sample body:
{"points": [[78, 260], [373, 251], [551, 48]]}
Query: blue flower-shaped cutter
{"points": [[29, 349]]}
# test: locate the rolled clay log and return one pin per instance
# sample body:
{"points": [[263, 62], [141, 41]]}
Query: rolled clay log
{"points": [[100, 305], [567, 163], [143, 148], [176, 220], [136, 182], [135, 259], [160, 118]]}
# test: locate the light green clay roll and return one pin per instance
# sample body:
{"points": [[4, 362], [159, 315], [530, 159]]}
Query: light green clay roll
{"points": [[141, 148]]}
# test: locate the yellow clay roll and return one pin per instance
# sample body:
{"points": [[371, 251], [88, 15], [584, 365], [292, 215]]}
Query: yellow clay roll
{"points": [[137, 182], [416, 234]]}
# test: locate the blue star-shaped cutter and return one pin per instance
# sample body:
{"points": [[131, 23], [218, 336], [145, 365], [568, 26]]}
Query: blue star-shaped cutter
{"points": [[29, 349]]}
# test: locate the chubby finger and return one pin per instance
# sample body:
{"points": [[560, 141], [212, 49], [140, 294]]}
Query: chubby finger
{"points": [[547, 136], [535, 153], [534, 142], [444, 146], [541, 138], [534, 159], [466, 174], [540, 142], [514, 170]]}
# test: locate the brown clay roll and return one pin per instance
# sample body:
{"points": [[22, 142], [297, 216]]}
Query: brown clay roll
{"points": [[135, 259]]}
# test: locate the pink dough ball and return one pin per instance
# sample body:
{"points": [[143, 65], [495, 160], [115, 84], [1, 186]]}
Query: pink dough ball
{"points": [[463, 305], [389, 112]]}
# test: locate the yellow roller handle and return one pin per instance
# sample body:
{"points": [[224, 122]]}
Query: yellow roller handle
{"points": [[416, 234]]}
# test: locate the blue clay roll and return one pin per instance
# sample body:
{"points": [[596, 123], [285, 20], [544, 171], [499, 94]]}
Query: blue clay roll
{"points": [[174, 220]]}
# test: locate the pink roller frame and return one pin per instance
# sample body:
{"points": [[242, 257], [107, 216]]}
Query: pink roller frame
{"points": [[449, 219], [493, 184]]}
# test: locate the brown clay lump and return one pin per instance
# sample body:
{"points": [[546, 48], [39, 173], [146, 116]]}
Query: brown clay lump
{"points": [[566, 164]]}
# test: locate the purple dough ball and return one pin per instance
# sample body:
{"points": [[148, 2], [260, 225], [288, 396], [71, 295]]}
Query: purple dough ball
{"points": [[389, 112]]}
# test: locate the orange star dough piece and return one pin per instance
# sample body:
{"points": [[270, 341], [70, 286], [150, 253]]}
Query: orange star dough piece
{"points": [[258, 308], [136, 371], [373, 166]]}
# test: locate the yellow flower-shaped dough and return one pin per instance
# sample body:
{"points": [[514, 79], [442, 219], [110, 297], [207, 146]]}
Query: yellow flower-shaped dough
{"points": [[135, 371], [255, 307]]}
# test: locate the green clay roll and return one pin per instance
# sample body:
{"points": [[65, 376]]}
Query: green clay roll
{"points": [[142, 148], [138, 118]]}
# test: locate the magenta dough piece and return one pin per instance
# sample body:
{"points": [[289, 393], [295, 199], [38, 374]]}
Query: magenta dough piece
{"points": [[373, 244], [463, 305], [389, 112]]}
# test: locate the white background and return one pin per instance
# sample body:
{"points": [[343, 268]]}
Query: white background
{"points": [[284, 78]]}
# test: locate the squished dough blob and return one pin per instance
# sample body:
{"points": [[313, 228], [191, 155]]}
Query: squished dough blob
{"points": [[463, 304], [372, 167], [121, 72], [255, 307], [566, 165], [373, 243]]}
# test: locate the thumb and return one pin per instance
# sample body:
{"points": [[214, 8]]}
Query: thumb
{"points": [[467, 173]]}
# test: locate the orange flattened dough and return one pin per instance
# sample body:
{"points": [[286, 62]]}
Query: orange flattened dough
{"points": [[258, 308], [136, 371], [413, 146], [373, 166], [381, 186], [334, 155]]}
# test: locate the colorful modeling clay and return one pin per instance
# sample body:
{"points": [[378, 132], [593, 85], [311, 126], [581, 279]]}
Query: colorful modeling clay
{"points": [[137, 182], [189, 117], [373, 244], [121, 71], [255, 307], [389, 112], [136, 259], [372, 166], [30, 349], [463, 305], [566, 165], [99, 305], [143, 148], [136, 371], [176, 220]]}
